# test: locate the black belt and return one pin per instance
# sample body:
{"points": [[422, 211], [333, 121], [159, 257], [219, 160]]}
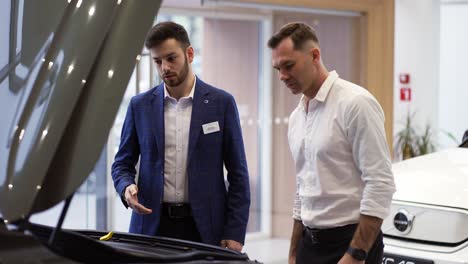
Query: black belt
{"points": [[330, 234], [176, 210]]}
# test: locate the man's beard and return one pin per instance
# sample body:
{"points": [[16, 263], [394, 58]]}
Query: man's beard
{"points": [[180, 77]]}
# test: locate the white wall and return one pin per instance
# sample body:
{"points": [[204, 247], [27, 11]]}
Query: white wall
{"points": [[417, 53], [431, 37], [453, 95]]}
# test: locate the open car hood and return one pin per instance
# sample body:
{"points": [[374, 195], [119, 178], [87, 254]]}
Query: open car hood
{"points": [[64, 69], [439, 178]]}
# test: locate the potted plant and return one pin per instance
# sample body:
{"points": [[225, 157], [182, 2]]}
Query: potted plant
{"points": [[405, 143], [424, 144], [409, 143]]}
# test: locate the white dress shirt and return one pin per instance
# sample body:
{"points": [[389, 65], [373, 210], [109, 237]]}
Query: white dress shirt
{"points": [[177, 117], [343, 166]]}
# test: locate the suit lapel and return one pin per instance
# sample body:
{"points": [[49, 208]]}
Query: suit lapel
{"points": [[157, 124], [199, 108]]}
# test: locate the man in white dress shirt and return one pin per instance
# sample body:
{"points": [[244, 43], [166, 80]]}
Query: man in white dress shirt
{"points": [[343, 169]]}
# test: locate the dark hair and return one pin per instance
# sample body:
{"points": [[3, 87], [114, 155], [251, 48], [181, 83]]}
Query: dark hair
{"points": [[299, 33], [164, 31]]}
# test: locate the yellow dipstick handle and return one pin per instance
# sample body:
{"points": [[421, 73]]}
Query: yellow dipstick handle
{"points": [[107, 237]]}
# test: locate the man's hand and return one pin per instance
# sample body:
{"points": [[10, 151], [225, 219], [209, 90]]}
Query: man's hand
{"points": [[132, 200], [231, 244], [295, 238], [364, 237], [347, 259]]}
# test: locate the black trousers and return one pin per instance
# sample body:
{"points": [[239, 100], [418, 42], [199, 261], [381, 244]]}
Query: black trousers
{"points": [[327, 246], [180, 228]]}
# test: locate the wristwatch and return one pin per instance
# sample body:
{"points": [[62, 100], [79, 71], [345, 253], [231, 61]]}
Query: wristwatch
{"points": [[357, 253]]}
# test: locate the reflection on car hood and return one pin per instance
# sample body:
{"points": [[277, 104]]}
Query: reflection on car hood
{"points": [[439, 178], [67, 66]]}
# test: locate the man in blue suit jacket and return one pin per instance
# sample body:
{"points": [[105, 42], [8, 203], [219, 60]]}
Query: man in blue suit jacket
{"points": [[183, 131]]}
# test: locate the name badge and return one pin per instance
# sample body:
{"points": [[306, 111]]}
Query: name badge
{"points": [[210, 127]]}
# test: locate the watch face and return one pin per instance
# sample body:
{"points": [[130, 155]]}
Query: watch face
{"points": [[360, 254], [357, 253]]}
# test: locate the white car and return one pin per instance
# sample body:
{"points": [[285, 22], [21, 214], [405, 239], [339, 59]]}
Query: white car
{"points": [[428, 222]]}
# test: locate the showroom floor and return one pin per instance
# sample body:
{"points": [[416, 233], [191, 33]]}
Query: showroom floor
{"points": [[268, 251]]}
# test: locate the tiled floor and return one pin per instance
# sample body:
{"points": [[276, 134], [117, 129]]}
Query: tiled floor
{"points": [[268, 251]]}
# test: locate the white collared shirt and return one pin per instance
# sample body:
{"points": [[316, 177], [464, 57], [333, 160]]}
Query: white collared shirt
{"points": [[343, 166], [177, 117]]}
